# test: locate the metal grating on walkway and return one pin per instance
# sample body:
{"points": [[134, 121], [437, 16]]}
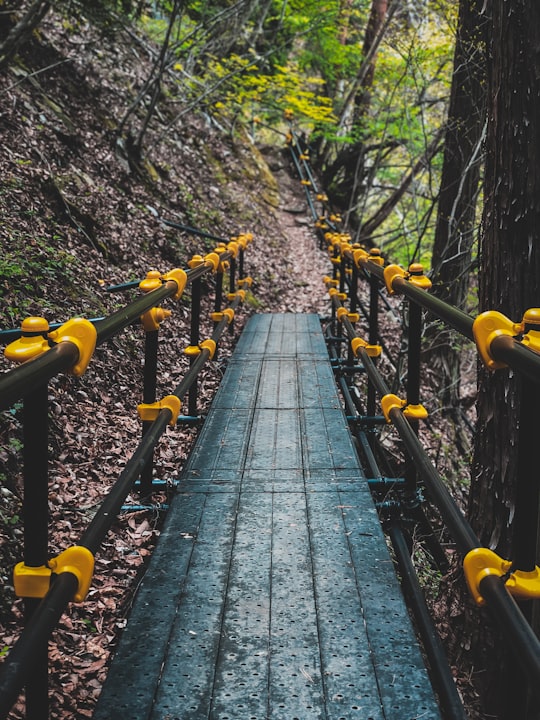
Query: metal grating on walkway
{"points": [[271, 593]]}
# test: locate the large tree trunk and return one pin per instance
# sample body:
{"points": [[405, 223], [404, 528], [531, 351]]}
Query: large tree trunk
{"points": [[509, 282], [456, 217]]}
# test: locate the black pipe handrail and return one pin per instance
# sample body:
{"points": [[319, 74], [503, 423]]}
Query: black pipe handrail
{"points": [[494, 590], [21, 660], [22, 380]]}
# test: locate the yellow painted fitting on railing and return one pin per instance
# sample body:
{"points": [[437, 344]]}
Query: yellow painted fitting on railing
{"points": [[335, 218], [375, 256], [388, 402], [334, 292], [195, 261], [152, 319], [415, 412], [341, 313], [288, 138], [525, 584], [304, 156], [307, 183], [360, 256], [530, 327], [209, 345], [180, 278], [288, 114], [487, 326], [244, 239], [227, 313], [354, 317], [245, 282], [33, 340], [417, 278], [192, 350], [330, 282], [233, 247], [371, 350], [34, 582], [211, 260], [478, 564], [151, 282], [239, 293], [411, 412], [322, 197], [391, 272], [81, 333], [148, 412], [31, 582]]}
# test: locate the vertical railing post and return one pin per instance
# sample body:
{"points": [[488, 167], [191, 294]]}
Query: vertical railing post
{"points": [[418, 279], [151, 343], [32, 343], [36, 539], [373, 336], [151, 326], [194, 338]]}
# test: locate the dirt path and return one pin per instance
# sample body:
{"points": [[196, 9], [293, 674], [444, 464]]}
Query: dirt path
{"points": [[306, 264]]}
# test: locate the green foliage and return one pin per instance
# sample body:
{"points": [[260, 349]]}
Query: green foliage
{"points": [[26, 266]]}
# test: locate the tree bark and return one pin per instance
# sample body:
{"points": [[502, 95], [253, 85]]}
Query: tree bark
{"points": [[510, 283], [456, 225]]}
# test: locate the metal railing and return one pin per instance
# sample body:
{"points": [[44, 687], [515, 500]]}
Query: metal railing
{"points": [[46, 584], [504, 586]]}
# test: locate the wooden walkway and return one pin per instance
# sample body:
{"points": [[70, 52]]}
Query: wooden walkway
{"points": [[271, 594]]}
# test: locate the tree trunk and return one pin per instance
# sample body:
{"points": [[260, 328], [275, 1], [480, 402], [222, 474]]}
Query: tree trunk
{"points": [[509, 282], [343, 178], [456, 218]]}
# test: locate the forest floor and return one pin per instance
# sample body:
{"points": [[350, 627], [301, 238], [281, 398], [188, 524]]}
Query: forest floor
{"points": [[78, 214]]}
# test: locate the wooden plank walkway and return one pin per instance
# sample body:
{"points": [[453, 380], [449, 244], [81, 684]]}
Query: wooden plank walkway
{"points": [[271, 594]]}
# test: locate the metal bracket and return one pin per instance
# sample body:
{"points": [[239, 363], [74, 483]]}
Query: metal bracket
{"points": [[148, 412], [371, 350], [227, 313], [33, 340], [34, 582], [180, 278], [152, 319], [151, 282], [478, 564], [343, 312], [491, 324], [81, 333], [411, 412]]}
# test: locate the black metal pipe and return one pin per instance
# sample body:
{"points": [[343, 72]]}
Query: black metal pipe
{"points": [[527, 497], [98, 528], [130, 285], [21, 661], [111, 325], [151, 343], [518, 633], [36, 532], [7, 336], [193, 231], [194, 338], [24, 379], [519, 357], [460, 529], [441, 673], [373, 335]]}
